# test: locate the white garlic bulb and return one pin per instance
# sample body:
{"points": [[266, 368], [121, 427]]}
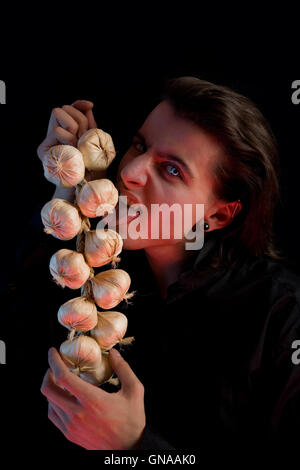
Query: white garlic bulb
{"points": [[97, 149], [97, 197], [84, 358], [100, 373], [63, 165], [110, 287], [69, 268], [78, 313], [80, 354], [110, 329], [102, 246], [61, 219]]}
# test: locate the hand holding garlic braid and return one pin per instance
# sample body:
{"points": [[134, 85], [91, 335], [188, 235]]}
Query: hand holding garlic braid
{"points": [[65, 166]]}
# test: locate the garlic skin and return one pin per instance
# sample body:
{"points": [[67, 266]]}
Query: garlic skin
{"points": [[80, 354], [69, 268], [79, 314], [110, 287], [102, 246], [110, 329], [61, 219], [84, 358], [100, 374], [97, 149], [63, 166], [97, 197]]}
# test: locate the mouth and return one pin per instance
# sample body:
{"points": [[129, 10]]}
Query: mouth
{"points": [[127, 209], [131, 199], [132, 203]]}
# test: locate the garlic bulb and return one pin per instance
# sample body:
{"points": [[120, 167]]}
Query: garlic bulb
{"points": [[110, 329], [102, 246], [69, 268], [109, 287], [61, 219], [79, 314], [63, 165], [97, 149], [81, 354], [101, 372], [97, 197], [84, 358]]}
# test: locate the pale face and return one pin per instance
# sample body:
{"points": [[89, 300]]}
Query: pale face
{"points": [[150, 173]]}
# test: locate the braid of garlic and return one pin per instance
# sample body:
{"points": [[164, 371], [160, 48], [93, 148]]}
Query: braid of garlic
{"points": [[92, 333], [80, 240], [86, 289]]}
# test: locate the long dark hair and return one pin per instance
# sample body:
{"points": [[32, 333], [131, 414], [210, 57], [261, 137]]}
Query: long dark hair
{"points": [[249, 169]]}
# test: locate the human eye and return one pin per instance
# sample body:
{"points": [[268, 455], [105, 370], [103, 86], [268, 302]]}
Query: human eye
{"points": [[138, 145], [172, 170]]}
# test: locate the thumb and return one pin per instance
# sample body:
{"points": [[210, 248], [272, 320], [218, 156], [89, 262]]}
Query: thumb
{"points": [[129, 381]]}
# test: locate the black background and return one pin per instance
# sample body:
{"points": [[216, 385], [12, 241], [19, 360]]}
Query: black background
{"points": [[121, 70]]}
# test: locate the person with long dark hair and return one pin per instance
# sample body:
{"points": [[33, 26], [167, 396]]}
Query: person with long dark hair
{"points": [[215, 327]]}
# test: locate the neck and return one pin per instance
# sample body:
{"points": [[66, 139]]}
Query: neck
{"points": [[166, 263]]}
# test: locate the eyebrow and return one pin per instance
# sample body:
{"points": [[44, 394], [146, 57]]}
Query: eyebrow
{"points": [[165, 155]]}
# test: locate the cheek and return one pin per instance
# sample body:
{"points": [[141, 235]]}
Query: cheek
{"points": [[193, 204]]}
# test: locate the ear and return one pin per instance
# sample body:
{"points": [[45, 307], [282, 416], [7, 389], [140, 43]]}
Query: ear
{"points": [[222, 214]]}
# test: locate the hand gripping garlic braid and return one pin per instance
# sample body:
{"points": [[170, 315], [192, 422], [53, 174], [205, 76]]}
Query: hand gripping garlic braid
{"points": [[92, 333]]}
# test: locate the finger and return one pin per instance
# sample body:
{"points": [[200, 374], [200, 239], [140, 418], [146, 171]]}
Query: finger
{"points": [[56, 394], [58, 136], [79, 117], [86, 108], [91, 119], [55, 416], [60, 413], [56, 420], [83, 105], [59, 117], [65, 137], [71, 382], [129, 381]]}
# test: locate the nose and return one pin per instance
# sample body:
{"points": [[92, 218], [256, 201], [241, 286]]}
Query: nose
{"points": [[135, 173]]}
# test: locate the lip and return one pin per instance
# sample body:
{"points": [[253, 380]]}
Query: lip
{"points": [[131, 201]]}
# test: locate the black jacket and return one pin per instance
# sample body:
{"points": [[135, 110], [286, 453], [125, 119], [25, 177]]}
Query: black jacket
{"points": [[215, 356]]}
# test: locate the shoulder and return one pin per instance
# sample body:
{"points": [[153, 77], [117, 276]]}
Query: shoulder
{"points": [[262, 281], [276, 277], [256, 289], [267, 293], [262, 277]]}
